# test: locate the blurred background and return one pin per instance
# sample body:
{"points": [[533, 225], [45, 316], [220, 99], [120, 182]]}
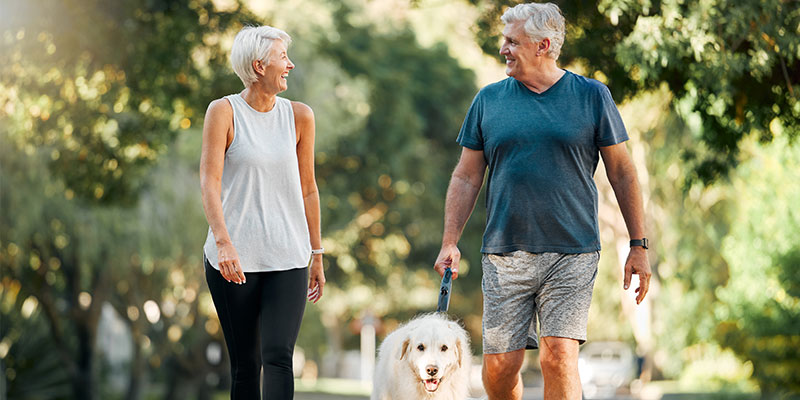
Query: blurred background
{"points": [[102, 294]]}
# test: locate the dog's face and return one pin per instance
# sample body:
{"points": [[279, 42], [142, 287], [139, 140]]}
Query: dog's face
{"points": [[432, 351]]}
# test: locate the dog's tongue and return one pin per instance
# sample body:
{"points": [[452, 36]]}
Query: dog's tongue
{"points": [[431, 385]]}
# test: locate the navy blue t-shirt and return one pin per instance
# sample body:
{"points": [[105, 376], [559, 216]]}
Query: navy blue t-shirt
{"points": [[542, 151]]}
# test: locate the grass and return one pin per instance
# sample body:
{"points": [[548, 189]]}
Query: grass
{"points": [[348, 387], [673, 390]]}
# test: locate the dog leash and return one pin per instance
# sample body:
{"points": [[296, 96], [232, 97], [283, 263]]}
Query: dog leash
{"points": [[444, 291]]}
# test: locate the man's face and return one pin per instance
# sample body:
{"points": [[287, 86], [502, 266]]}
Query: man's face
{"points": [[519, 50]]}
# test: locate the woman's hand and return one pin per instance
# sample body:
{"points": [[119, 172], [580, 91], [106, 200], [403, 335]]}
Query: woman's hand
{"points": [[229, 265], [316, 279]]}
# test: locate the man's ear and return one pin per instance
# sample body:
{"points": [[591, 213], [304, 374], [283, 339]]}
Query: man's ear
{"points": [[543, 47]]}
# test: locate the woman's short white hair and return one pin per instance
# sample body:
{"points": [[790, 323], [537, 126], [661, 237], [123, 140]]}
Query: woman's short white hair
{"points": [[254, 43], [542, 20]]}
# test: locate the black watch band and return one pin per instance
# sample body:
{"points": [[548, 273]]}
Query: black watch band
{"points": [[640, 242]]}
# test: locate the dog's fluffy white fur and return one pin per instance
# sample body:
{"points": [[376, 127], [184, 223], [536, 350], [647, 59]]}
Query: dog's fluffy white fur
{"points": [[427, 358]]}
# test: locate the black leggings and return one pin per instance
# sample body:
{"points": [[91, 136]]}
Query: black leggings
{"points": [[260, 320]]}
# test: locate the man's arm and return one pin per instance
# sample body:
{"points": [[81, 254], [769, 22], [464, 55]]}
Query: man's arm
{"points": [[465, 184], [622, 175]]}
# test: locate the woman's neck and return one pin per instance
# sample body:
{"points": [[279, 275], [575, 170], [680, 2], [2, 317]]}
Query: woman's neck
{"points": [[260, 100]]}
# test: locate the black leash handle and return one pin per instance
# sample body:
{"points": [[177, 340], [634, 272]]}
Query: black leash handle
{"points": [[444, 291]]}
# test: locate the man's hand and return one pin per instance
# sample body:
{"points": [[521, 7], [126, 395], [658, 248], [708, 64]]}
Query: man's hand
{"points": [[449, 256], [638, 263]]}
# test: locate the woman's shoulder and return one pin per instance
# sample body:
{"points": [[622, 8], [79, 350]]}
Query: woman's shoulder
{"points": [[221, 107], [302, 111]]}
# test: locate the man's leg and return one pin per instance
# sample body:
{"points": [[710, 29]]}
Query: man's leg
{"points": [[510, 282], [559, 359], [501, 377], [564, 301]]}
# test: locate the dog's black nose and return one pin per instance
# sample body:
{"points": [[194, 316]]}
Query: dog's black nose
{"points": [[432, 370]]}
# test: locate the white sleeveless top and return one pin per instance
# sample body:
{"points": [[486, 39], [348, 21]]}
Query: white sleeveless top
{"points": [[262, 199]]}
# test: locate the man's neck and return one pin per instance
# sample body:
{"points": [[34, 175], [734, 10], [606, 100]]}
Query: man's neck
{"points": [[542, 78]]}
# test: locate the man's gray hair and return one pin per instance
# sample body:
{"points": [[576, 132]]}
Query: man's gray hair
{"points": [[254, 43], [542, 20]]}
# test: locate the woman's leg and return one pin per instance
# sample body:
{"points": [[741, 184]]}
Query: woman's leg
{"points": [[283, 302], [238, 308]]}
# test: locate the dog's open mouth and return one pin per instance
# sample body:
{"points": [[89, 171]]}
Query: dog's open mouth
{"points": [[432, 384]]}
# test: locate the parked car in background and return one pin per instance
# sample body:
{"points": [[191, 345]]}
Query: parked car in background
{"points": [[605, 367]]}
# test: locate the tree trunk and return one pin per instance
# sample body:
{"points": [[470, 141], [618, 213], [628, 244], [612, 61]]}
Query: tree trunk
{"points": [[83, 381], [137, 369], [173, 382], [203, 391]]}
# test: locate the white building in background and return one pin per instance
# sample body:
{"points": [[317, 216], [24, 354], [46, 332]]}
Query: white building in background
{"points": [[114, 342]]}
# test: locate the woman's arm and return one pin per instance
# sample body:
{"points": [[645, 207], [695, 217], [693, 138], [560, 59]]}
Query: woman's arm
{"points": [[217, 136], [304, 126]]}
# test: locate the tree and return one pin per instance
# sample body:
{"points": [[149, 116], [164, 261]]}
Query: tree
{"points": [[97, 92], [759, 307], [687, 226], [105, 88], [383, 168], [731, 67], [29, 370]]}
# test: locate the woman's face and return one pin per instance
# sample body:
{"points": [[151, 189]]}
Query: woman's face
{"points": [[278, 67]]}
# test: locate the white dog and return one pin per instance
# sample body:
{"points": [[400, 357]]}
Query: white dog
{"points": [[427, 358]]}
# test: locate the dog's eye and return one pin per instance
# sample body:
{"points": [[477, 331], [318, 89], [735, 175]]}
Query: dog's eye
{"points": [[444, 347], [421, 347]]}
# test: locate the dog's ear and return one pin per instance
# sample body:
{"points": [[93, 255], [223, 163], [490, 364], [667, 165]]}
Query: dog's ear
{"points": [[404, 348], [459, 351], [459, 342]]}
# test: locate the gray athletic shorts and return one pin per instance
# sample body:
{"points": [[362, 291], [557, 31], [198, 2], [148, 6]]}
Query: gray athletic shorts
{"points": [[518, 287]]}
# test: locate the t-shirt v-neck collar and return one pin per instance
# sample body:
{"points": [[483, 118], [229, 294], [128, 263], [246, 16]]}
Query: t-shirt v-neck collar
{"points": [[546, 92]]}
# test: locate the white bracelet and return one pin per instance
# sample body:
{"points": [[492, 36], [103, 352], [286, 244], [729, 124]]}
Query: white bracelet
{"points": [[318, 251]]}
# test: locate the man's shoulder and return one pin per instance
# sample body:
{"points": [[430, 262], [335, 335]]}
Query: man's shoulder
{"points": [[496, 88], [587, 84]]}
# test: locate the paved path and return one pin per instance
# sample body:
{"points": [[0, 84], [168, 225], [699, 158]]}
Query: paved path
{"points": [[531, 393]]}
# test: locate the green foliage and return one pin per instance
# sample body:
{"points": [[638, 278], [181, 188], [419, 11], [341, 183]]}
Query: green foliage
{"points": [[90, 121], [48, 247], [788, 271], [732, 67], [760, 311], [100, 202], [768, 337], [104, 88], [68, 259], [725, 259], [31, 371], [392, 175], [91, 95]]}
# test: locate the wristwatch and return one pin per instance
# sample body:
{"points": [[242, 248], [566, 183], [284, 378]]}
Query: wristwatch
{"points": [[640, 242]]}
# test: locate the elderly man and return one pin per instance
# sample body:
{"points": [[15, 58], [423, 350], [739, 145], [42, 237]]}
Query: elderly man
{"points": [[540, 132]]}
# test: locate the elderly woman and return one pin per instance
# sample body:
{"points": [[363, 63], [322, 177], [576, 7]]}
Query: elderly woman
{"points": [[261, 202]]}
